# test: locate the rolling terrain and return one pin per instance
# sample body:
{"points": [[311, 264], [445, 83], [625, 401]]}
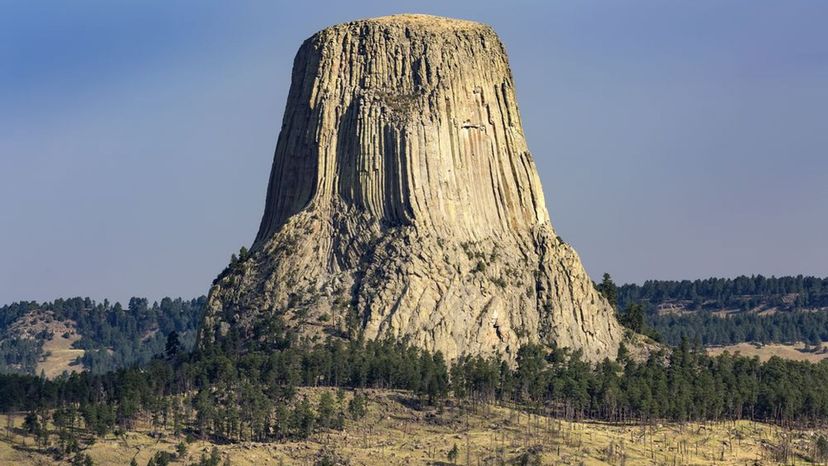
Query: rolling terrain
{"points": [[719, 312], [396, 431], [795, 352], [784, 316], [76, 334]]}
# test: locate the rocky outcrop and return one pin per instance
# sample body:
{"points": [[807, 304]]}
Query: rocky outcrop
{"points": [[403, 201]]}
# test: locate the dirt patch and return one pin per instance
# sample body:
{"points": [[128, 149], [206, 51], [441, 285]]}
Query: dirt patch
{"points": [[794, 352]]}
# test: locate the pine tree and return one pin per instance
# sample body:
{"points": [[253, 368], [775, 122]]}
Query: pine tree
{"points": [[357, 407], [326, 410], [609, 290], [173, 345], [452, 454]]}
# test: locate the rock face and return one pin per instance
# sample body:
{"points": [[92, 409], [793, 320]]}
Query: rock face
{"points": [[403, 201]]}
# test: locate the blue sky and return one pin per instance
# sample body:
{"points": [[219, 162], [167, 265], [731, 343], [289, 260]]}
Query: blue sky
{"points": [[674, 139]]}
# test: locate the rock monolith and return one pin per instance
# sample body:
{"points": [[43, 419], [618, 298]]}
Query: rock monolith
{"points": [[403, 201]]}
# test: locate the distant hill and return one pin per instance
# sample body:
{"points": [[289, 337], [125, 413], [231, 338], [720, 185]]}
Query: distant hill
{"points": [[78, 333], [724, 311]]}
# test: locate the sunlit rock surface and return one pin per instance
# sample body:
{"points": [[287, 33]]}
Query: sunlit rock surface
{"points": [[403, 201]]}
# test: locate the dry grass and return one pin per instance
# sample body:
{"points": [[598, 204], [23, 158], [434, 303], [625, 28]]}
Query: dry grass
{"points": [[395, 433], [59, 355], [57, 337], [765, 352]]}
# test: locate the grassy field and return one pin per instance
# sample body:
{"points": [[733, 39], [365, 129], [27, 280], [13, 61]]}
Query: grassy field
{"points": [[59, 355], [396, 433], [765, 352]]}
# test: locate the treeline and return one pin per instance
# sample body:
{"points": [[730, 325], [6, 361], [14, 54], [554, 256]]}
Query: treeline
{"points": [[794, 300], [233, 396], [255, 395], [783, 327], [745, 293], [19, 355], [683, 385], [112, 336]]}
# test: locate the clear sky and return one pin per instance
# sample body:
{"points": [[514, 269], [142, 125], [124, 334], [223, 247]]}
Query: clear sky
{"points": [[674, 139]]}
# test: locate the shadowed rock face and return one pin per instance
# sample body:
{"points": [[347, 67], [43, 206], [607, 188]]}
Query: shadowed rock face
{"points": [[403, 201]]}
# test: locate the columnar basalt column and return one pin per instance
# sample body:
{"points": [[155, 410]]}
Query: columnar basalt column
{"points": [[403, 201]]}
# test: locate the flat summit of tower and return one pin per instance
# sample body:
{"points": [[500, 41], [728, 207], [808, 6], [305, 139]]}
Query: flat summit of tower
{"points": [[415, 21]]}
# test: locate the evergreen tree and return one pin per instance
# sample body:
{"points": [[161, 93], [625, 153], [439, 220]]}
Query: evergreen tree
{"points": [[452, 454], [358, 406], [633, 318], [302, 419], [173, 345], [326, 410], [609, 290]]}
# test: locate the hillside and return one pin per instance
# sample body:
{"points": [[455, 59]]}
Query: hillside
{"points": [[720, 312], [38, 342], [757, 294], [79, 334], [397, 431], [290, 402], [794, 351]]}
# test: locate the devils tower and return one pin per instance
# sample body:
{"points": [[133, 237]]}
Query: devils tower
{"points": [[403, 201]]}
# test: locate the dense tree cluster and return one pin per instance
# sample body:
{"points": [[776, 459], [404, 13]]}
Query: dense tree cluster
{"points": [[713, 294], [783, 327], [794, 301], [251, 395], [17, 354], [112, 336], [20, 355], [257, 395], [682, 385]]}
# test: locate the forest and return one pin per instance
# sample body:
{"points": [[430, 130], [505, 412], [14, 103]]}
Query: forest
{"points": [[797, 309], [231, 392], [740, 293], [228, 395], [112, 336], [711, 330]]}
